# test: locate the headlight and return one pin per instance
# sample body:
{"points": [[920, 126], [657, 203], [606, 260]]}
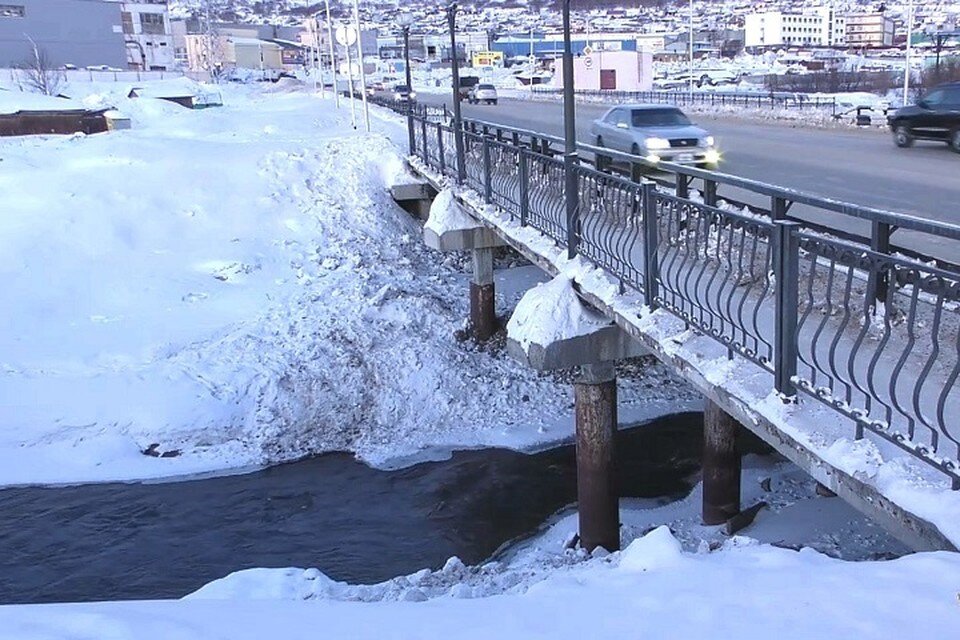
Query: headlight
{"points": [[412, 95], [653, 158], [397, 96], [712, 156], [708, 141], [656, 143]]}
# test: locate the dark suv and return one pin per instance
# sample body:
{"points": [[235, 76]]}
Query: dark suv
{"points": [[936, 116]]}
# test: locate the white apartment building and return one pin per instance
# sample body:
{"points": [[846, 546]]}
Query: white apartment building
{"points": [[147, 33], [817, 27]]}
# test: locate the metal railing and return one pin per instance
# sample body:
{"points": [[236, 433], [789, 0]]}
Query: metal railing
{"points": [[683, 97], [851, 321]]}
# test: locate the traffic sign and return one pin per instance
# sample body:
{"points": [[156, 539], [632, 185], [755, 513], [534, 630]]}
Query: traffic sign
{"points": [[588, 62], [346, 35]]}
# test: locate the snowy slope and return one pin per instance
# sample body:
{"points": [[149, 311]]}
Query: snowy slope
{"points": [[236, 286]]}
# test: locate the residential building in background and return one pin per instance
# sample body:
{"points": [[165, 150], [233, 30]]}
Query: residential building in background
{"points": [[869, 30], [71, 32], [817, 27], [147, 34]]}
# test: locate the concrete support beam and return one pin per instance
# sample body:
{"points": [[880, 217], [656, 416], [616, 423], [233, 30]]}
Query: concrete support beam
{"points": [[721, 466], [598, 503], [414, 197], [483, 311], [478, 237]]}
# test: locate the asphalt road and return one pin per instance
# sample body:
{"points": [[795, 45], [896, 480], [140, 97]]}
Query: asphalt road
{"points": [[857, 166]]}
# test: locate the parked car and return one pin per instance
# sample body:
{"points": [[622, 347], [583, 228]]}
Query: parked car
{"points": [[936, 116], [466, 85], [483, 93], [402, 93], [657, 133]]}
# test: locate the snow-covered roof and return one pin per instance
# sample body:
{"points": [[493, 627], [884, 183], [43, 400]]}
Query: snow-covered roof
{"points": [[16, 101], [176, 88]]}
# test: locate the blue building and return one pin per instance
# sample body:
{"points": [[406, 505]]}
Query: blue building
{"points": [[551, 45]]}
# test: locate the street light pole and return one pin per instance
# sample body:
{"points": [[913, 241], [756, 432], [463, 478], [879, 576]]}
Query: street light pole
{"points": [[690, 65], [406, 19], [906, 66], [363, 73], [333, 56], [455, 70], [569, 136]]}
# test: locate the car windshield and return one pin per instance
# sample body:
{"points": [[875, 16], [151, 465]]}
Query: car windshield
{"points": [[485, 87], [659, 118], [402, 89]]}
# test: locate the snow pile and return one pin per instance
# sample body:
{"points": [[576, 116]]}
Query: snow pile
{"points": [[742, 589], [446, 214], [236, 286], [552, 312]]}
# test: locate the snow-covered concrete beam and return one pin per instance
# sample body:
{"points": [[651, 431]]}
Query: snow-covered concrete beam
{"points": [[450, 228], [412, 191], [552, 328]]}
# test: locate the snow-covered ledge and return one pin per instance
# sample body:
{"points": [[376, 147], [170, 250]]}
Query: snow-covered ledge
{"points": [[551, 328], [450, 228]]}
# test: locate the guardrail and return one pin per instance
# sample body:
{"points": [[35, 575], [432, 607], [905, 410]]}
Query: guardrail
{"points": [[683, 97], [847, 320]]}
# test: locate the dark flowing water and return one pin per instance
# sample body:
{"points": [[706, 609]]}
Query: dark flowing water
{"points": [[134, 541]]}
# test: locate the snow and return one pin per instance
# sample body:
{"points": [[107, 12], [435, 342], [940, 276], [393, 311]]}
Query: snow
{"points": [[825, 434], [12, 102], [236, 286], [552, 312], [653, 588], [446, 214]]}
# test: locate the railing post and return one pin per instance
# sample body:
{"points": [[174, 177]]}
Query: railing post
{"points": [[461, 153], [778, 208], [516, 139], [440, 155], [710, 192], [683, 186], [651, 240], [877, 283], [524, 187], [426, 145], [786, 270], [410, 131], [487, 171], [571, 194], [636, 171]]}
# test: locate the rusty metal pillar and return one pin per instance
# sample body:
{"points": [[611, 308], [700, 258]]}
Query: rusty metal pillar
{"points": [[595, 395], [483, 313], [721, 466]]}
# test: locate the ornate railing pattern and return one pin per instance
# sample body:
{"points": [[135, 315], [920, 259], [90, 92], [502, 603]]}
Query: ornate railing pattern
{"points": [[849, 321]]}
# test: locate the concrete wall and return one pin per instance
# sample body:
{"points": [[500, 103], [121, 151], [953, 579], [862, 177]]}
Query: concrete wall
{"points": [[75, 32]]}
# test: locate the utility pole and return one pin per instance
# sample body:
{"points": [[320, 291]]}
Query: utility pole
{"points": [[363, 73], [333, 56], [571, 197], [906, 66], [457, 118], [690, 66]]}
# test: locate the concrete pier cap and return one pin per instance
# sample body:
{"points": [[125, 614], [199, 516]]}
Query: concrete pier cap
{"points": [[552, 328], [450, 228]]}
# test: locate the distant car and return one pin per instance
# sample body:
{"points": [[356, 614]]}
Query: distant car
{"points": [[657, 133], [483, 93], [402, 93], [936, 116], [374, 88]]}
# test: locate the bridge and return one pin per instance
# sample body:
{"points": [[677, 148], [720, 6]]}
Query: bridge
{"points": [[840, 350]]}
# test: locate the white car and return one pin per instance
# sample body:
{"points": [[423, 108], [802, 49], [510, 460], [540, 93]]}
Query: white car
{"points": [[483, 93]]}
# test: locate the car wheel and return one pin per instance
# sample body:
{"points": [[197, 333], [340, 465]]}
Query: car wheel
{"points": [[955, 140], [494, 103], [902, 137]]}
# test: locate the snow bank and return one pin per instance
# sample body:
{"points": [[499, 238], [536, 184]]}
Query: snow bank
{"points": [[236, 286], [739, 590], [15, 101]]}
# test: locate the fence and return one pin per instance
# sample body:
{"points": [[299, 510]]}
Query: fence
{"points": [[18, 76], [712, 98], [849, 321]]}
